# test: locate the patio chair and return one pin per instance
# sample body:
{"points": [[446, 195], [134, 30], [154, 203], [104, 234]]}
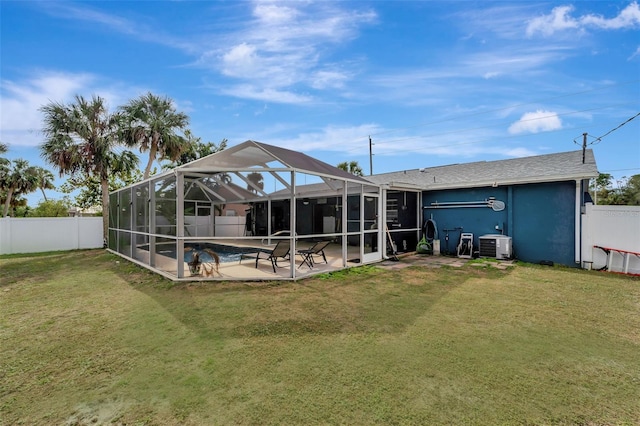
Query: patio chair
{"points": [[315, 250], [281, 250]]}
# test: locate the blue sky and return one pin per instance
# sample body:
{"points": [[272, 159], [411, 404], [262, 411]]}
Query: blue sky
{"points": [[432, 83]]}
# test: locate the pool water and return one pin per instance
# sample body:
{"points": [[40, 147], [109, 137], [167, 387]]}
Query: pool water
{"points": [[226, 253]]}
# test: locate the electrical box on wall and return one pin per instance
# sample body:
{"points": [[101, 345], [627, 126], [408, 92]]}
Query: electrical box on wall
{"points": [[498, 246]]}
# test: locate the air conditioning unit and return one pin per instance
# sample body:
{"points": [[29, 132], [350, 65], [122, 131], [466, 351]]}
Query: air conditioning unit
{"points": [[496, 245]]}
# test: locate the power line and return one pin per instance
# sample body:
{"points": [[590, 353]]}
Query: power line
{"points": [[497, 124], [599, 139], [396, 150], [503, 108], [622, 170], [616, 128]]}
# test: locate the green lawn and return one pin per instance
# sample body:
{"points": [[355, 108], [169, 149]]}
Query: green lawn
{"points": [[88, 338]]}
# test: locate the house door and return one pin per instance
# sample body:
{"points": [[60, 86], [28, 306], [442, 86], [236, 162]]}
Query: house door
{"points": [[372, 228]]}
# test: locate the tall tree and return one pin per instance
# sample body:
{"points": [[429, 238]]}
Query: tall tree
{"points": [[51, 208], [256, 182], [600, 188], [150, 122], [87, 189], [4, 163], [626, 191], [79, 140], [631, 191], [195, 149], [16, 179], [352, 167], [44, 180]]}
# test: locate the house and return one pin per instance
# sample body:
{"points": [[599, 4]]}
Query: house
{"points": [[541, 197], [279, 195]]}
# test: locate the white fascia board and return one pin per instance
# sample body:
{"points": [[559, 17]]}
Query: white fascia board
{"points": [[503, 182]]}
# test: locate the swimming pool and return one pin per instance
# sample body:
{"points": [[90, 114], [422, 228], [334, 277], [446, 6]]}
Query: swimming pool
{"points": [[226, 253]]}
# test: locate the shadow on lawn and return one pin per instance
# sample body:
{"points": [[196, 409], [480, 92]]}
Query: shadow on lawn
{"points": [[38, 267], [369, 300]]}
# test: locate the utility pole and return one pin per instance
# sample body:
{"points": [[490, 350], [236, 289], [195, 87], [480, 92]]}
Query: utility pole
{"points": [[371, 157], [584, 145]]}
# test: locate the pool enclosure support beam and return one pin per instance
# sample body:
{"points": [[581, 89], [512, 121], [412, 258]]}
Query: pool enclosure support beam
{"points": [[292, 225], [343, 228], [180, 223], [152, 224]]}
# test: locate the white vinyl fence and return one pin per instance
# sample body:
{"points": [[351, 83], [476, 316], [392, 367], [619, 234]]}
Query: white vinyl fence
{"points": [[39, 234], [616, 227]]}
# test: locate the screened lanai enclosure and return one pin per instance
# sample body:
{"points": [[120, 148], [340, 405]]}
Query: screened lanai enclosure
{"points": [[252, 211]]}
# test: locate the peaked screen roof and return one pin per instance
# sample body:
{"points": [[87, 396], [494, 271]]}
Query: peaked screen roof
{"points": [[252, 154]]}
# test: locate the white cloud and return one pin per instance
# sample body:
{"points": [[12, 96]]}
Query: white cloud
{"points": [[560, 19], [266, 94], [519, 152], [629, 17], [500, 18], [284, 47], [20, 118], [535, 122], [241, 61], [328, 79], [557, 20], [273, 14], [279, 47], [20, 101], [491, 74], [349, 139], [136, 27]]}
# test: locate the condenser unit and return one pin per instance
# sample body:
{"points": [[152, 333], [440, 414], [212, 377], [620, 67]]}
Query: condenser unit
{"points": [[498, 246]]}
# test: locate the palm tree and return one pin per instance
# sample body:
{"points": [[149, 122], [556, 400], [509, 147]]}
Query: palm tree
{"points": [[150, 123], [351, 167], [194, 149], [79, 139], [17, 180], [44, 180], [4, 163], [257, 180]]}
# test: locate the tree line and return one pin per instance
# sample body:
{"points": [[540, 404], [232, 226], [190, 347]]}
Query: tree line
{"points": [[83, 140], [625, 192]]}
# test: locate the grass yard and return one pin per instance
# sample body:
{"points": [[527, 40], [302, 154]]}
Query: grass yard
{"points": [[88, 338]]}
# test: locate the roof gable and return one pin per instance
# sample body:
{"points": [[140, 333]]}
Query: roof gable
{"points": [[252, 154]]}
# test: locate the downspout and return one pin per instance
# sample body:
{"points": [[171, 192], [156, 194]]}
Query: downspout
{"points": [[578, 223], [510, 228]]}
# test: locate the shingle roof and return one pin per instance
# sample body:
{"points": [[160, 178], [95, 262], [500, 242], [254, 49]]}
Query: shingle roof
{"points": [[541, 168]]}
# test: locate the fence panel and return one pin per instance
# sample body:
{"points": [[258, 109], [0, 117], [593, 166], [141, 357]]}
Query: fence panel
{"points": [[616, 227], [39, 234]]}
